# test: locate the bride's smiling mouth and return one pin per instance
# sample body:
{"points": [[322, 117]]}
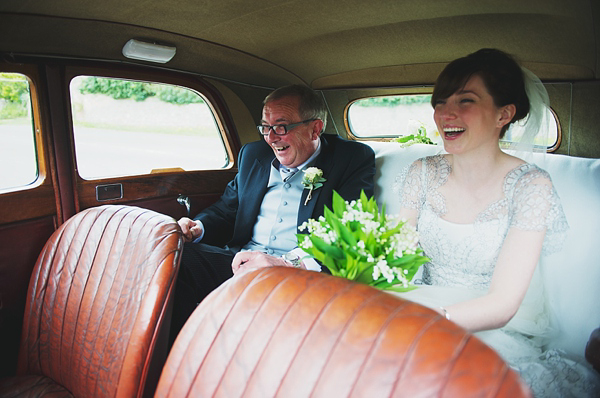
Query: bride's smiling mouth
{"points": [[453, 132]]}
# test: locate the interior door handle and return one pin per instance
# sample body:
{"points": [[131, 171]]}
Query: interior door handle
{"points": [[185, 201]]}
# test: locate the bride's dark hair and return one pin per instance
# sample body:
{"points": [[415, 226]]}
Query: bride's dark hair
{"points": [[500, 73]]}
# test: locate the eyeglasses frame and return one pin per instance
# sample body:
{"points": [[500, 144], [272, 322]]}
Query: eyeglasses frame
{"points": [[286, 127]]}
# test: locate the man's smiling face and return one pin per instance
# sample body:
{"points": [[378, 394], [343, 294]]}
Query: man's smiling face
{"points": [[300, 142]]}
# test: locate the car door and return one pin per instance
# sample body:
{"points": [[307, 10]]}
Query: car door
{"points": [[98, 134], [29, 206]]}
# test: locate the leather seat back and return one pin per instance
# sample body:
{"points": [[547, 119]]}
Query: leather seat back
{"points": [[97, 299], [293, 333]]}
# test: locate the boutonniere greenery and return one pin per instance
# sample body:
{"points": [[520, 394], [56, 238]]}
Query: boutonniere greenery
{"points": [[313, 179]]}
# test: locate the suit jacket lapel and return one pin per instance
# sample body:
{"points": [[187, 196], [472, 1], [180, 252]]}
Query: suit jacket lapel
{"points": [[324, 162]]}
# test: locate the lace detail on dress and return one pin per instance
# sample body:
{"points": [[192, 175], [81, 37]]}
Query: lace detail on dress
{"points": [[461, 255], [408, 186], [554, 375], [431, 172], [530, 201], [536, 205]]}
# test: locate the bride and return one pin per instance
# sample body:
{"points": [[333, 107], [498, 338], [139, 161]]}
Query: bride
{"points": [[485, 217]]}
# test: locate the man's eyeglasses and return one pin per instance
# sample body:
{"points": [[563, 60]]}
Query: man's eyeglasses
{"points": [[280, 129]]}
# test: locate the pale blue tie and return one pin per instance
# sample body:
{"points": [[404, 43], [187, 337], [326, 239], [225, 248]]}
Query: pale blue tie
{"points": [[287, 173]]}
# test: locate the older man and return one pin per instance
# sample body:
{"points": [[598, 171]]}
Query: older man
{"points": [[254, 224]]}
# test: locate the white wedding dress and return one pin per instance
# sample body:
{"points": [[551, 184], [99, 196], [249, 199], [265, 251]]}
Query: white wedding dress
{"points": [[463, 257]]}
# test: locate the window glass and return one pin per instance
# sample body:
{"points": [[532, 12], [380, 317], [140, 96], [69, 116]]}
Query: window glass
{"points": [[127, 127], [392, 116], [412, 115], [18, 160], [516, 130]]}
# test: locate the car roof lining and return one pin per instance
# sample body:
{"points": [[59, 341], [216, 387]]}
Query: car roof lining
{"points": [[323, 43]]}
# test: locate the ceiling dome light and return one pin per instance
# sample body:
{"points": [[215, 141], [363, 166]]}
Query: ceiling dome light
{"points": [[152, 52]]}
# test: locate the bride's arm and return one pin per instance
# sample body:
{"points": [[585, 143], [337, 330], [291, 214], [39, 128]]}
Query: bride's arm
{"points": [[514, 269], [410, 215]]}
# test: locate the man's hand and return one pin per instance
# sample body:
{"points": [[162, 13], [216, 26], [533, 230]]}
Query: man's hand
{"points": [[252, 259], [191, 228]]}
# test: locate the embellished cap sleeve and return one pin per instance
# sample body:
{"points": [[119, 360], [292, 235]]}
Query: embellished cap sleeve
{"points": [[535, 205], [420, 181], [409, 185]]}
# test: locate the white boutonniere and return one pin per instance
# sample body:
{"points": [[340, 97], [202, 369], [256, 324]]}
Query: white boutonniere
{"points": [[313, 179]]}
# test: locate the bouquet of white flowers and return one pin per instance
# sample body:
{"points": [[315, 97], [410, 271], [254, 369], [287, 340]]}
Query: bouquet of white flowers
{"points": [[357, 242]]}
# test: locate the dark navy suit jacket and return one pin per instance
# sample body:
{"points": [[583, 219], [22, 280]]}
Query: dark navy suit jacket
{"points": [[348, 167]]}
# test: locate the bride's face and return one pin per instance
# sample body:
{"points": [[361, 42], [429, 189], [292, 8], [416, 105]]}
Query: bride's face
{"points": [[469, 119]]}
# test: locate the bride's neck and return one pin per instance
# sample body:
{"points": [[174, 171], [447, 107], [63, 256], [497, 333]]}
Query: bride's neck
{"points": [[479, 169]]}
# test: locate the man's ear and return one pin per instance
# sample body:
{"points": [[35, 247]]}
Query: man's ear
{"points": [[507, 112], [317, 129]]}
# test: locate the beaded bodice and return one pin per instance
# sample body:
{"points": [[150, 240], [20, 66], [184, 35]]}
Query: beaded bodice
{"points": [[466, 254]]}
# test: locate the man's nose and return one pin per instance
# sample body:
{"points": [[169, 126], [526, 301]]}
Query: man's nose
{"points": [[271, 137]]}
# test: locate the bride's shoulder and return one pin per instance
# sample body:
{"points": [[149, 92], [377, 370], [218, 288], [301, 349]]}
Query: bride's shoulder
{"points": [[433, 162], [429, 168], [438, 165], [528, 172], [527, 177]]}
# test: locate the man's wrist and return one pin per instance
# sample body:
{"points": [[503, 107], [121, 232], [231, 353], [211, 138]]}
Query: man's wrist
{"points": [[307, 261], [292, 259]]}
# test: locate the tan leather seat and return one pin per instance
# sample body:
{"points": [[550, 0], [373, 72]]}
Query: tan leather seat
{"points": [[96, 304], [293, 333]]}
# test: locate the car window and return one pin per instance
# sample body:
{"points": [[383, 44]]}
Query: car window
{"points": [[18, 158], [401, 116], [126, 127], [391, 116]]}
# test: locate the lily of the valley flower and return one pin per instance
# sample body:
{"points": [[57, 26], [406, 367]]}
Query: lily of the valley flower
{"points": [[312, 179], [357, 241]]}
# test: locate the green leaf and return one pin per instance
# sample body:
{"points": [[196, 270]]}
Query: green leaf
{"points": [[370, 208], [328, 214], [382, 217], [365, 275], [406, 138], [391, 232], [407, 259], [328, 250], [344, 233], [400, 288], [351, 265], [339, 205], [364, 200], [331, 265]]}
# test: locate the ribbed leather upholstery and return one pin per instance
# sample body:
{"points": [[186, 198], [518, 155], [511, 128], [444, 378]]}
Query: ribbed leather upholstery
{"points": [[97, 299], [293, 333]]}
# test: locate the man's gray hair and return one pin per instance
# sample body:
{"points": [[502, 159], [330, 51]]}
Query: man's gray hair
{"points": [[312, 105]]}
